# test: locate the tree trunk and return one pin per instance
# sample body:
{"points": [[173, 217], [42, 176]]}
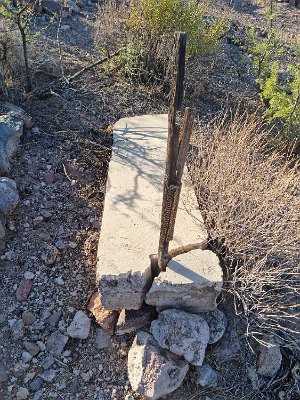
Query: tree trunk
{"points": [[25, 53]]}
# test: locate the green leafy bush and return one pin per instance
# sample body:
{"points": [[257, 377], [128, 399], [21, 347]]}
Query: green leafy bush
{"points": [[279, 81], [283, 99], [158, 18], [152, 25]]}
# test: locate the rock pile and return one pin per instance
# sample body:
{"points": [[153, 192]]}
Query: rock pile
{"points": [[158, 361], [12, 122], [184, 296]]}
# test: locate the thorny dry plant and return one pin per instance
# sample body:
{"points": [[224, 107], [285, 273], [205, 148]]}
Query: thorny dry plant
{"points": [[111, 27], [11, 63], [249, 194]]}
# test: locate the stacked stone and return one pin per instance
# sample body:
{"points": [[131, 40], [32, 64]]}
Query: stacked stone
{"points": [[188, 321]]}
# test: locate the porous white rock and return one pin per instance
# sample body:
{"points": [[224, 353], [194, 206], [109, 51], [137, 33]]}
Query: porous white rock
{"points": [[192, 282], [182, 333], [152, 371], [80, 326]]}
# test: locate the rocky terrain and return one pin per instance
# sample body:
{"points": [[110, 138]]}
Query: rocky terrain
{"points": [[55, 341]]}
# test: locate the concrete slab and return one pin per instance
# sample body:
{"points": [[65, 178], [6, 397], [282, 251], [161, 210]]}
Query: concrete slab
{"points": [[132, 212], [192, 282]]}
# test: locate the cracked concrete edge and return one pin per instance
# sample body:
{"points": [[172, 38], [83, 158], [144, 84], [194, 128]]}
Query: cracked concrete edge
{"points": [[176, 252]]}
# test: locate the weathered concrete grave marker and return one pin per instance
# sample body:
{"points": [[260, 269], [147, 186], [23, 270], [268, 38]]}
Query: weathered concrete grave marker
{"points": [[135, 220]]}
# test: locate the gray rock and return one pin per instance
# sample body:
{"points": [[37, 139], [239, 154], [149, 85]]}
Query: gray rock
{"points": [[154, 372], [11, 129], [73, 8], [65, 28], [28, 318], [9, 195], [51, 6], [192, 282], [102, 340], [32, 348], [270, 358], [3, 372], [80, 326], [47, 362], [48, 375], [18, 330], [36, 384], [53, 319], [56, 343], [182, 333], [207, 376], [41, 345], [227, 348], [133, 320], [22, 394], [2, 226], [38, 395], [217, 323], [26, 357]]}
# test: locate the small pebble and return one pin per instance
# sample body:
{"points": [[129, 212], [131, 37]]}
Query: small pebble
{"points": [[22, 394], [29, 275], [26, 357]]}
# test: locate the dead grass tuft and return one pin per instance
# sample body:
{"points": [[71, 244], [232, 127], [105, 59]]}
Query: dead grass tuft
{"points": [[11, 60], [250, 197]]}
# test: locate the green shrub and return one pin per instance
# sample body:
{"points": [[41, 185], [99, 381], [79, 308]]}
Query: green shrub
{"points": [[158, 18], [279, 82], [152, 24]]}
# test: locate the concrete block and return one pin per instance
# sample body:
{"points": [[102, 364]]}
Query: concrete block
{"points": [[132, 212], [191, 282]]}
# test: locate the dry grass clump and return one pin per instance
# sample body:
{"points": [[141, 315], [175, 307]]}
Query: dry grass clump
{"points": [[111, 26], [11, 60], [250, 198]]}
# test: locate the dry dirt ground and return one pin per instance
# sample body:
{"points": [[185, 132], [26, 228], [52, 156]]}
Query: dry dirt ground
{"points": [[60, 172]]}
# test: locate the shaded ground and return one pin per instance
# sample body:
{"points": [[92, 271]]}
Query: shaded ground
{"points": [[54, 231]]}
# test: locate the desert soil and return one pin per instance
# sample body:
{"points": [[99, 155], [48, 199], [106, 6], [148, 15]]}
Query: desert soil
{"points": [[52, 238]]}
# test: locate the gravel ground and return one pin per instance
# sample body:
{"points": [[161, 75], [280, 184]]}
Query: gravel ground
{"points": [[48, 264]]}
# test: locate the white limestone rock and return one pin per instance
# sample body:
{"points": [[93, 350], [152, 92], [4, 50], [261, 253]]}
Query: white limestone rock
{"points": [[182, 333], [80, 326], [152, 371]]}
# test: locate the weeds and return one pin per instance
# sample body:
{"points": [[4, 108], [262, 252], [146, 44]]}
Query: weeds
{"points": [[250, 198]]}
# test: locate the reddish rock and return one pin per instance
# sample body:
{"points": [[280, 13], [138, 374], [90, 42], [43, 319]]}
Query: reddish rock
{"points": [[28, 318], [32, 348], [133, 320], [23, 289], [107, 319]]}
